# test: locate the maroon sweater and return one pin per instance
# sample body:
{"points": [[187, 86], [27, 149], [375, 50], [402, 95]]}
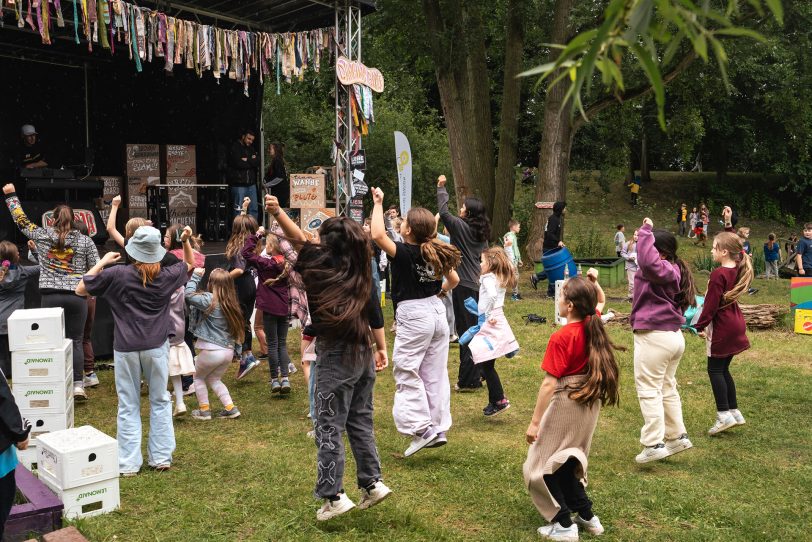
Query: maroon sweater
{"points": [[274, 299], [725, 325]]}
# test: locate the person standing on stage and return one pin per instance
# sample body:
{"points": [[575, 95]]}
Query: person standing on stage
{"points": [[31, 150], [276, 180], [243, 162]]}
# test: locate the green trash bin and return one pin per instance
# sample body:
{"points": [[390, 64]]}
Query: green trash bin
{"points": [[612, 270]]}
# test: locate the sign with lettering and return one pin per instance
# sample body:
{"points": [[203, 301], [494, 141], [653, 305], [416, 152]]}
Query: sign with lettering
{"points": [[307, 191], [143, 160], [80, 215], [358, 160], [350, 72], [312, 219]]}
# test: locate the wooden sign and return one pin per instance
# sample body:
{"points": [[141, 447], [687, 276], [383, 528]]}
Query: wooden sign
{"points": [[544, 204], [307, 191], [143, 160], [350, 72], [312, 219]]}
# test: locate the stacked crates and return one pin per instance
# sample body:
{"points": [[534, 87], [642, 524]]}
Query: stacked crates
{"points": [[81, 467], [42, 367]]}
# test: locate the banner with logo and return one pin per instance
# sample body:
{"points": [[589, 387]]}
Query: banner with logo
{"points": [[403, 157]]}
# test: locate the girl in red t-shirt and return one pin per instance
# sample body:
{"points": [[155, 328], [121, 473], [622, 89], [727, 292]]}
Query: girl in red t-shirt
{"points": [[722, 324], [582, 374]]}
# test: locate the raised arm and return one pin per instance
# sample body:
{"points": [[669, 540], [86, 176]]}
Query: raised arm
{"points": [[188, 251], [197, 299], [111, 222], [451, 222], [378, 228], [28, 228], [291, 230], [654, 268]]}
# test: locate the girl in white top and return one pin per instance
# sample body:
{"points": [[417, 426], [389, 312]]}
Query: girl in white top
{"points": [[495, 338]]}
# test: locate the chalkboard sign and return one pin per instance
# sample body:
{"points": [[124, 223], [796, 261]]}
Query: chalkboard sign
{"points": [[143, 160], [307, 191]]}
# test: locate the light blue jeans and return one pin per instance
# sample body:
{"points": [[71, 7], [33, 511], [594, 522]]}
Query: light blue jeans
{"points": [[238, 193], [154, 364]]}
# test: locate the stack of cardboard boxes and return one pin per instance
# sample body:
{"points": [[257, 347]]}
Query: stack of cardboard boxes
{"points": [[42, 365]]}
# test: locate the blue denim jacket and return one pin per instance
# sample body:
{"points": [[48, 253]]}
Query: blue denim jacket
{"points": [[212, 328]]}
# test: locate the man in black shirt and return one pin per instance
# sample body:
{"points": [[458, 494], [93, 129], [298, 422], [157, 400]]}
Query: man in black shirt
{"points": [[31, 150], [243, 161]]}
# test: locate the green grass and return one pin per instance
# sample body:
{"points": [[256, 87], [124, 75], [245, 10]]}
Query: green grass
{"points": [[252, 478]]}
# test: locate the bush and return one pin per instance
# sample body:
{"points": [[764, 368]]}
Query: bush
{"points": [[590, 243], [705, 263]]}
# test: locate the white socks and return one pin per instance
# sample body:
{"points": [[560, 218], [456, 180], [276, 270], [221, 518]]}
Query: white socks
{"points": [[177, 389]]}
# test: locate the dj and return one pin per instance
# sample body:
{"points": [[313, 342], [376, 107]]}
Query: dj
{"points": [[31, 150]]}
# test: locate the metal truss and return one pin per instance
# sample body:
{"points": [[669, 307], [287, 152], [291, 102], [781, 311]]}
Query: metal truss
{"points": [[347, 138]]}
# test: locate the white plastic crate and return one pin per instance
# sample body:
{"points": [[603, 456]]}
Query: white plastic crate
{"points": [[36, 329], [47, 422], [44, 397], [77, 457], [43, 365], [28, 457], [88, 500]]}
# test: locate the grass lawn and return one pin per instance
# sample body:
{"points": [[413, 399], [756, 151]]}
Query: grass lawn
{"points": [[252, 478]]}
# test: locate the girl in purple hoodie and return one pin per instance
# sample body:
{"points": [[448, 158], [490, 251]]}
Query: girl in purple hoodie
{"points": [[663, 289]]}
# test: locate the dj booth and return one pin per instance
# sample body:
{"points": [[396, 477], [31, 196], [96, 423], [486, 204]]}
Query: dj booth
{"points": [[42, 189]]}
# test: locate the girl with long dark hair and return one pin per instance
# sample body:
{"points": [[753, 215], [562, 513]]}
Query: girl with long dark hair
{"points": [[470, 233], [582, 375], [64, 256], [343, 308], [663, 289]]}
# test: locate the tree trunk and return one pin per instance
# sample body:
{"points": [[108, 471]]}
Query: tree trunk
{"points": [[556, 139], [505, 182], [645, 174], [458, 49]]}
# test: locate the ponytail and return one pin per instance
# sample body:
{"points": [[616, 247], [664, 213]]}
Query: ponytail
{"points": [[63, 224], [744, 276], [686, 297], [443, 257]]}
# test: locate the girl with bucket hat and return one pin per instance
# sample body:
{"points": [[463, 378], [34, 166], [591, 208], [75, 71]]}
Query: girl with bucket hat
{"points": [[139, 297]]}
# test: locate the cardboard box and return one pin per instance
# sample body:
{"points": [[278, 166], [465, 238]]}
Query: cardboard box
{"points": [[184, 216], [36, 329], [42, 365], [143, 160], [112, 185], [803, 321], [47, 422], [136, 213], [307, 191], [45, 397], [87, 501], [178, 160], [137, 193], [77, 457], [180, 193]]}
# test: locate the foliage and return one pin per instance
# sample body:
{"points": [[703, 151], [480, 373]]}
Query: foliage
{"points": [[637, 28], [705, 262], [589, 242]]}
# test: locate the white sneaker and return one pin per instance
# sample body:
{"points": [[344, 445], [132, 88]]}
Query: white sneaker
{"points": [[79, 394], [331, 509], [190, 390], [91, 380], [370, 498], [593, 526], [652, 453], [554, 531], [679, 444], [292, 368], [724, 421], [179, 410], [737, 415], [418, 443]]}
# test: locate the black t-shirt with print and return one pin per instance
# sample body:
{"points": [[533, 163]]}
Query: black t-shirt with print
{"points": [[30, 154], [412, 277]]}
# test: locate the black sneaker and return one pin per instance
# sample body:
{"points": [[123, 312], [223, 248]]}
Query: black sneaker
{"points": [[494, 409], [752, 291], [262, 357]]}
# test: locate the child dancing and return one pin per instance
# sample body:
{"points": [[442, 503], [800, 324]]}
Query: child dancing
{"points": [[422, 406], [217, 322], [723, 326], [338, 279], [582, 375]]}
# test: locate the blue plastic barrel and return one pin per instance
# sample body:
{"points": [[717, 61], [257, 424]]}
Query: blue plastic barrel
{"points": [[554, 261]]}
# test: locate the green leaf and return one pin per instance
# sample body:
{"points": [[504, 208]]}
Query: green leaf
{"points": [[701, 47], [742, 32], [673, 47], [655, 78], [778, 10], [546, 69]]}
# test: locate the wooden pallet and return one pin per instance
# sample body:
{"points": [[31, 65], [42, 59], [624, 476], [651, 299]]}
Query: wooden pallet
{"points": [[41, 514]]}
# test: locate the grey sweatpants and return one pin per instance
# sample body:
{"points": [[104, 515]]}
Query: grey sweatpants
{"points": [[343, 402]]}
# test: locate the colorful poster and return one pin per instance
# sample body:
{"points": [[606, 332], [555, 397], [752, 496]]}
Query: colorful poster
{"points": [[403, 158], [313, 218], [307, 191]]}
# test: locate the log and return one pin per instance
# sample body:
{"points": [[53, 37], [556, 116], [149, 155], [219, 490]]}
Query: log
{"points": [[765, 316]]}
